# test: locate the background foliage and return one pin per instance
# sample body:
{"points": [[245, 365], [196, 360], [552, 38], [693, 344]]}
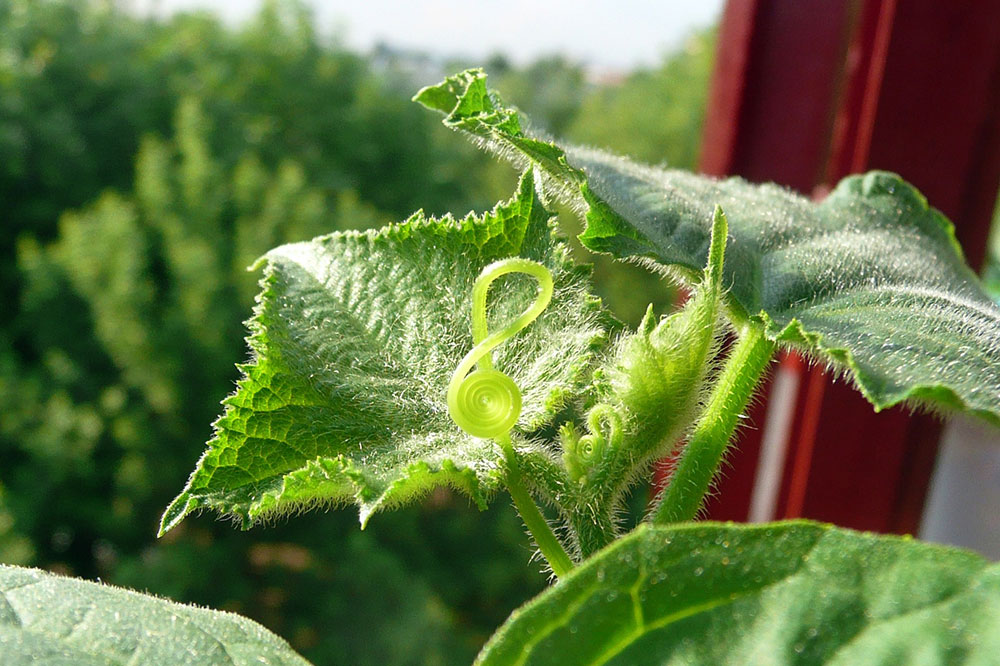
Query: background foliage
{"points": [[144, 165]]}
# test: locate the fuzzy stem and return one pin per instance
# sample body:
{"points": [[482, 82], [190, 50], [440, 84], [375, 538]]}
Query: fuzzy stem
{"points": [[594, 530], [707, 445], [533, 519]]}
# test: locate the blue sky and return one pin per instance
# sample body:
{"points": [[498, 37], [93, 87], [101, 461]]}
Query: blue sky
{"points": [[614, 34]]}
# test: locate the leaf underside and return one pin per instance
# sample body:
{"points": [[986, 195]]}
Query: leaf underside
{"points": [[57, 620], [354, 340], [870, 280], [784, 593]]}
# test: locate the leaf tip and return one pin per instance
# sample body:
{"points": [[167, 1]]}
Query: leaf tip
{"points": [[717, 247], [365, 513], [176, 512], [436, 98], [445, 96], [256, 265], [649, 321]]}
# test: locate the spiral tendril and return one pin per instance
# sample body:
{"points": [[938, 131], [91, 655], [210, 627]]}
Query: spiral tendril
{"points": [[485, 402], [582, 453]]}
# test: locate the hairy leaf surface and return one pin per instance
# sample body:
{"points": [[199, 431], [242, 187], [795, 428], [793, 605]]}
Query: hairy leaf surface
{"points": [[58, 620], [355, 337], [784, 593], [870, 279]]}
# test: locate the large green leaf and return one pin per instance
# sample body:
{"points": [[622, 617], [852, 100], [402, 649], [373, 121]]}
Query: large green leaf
{"points": [[784, 593], [871, 279], [48, 619], [355, 337]]}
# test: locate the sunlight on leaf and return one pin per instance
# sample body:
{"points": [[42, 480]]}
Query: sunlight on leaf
{"points": [[355, 337]]}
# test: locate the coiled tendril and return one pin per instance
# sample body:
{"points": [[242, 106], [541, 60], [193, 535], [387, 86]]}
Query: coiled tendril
{"points": [[487, 403], [581, 454]]}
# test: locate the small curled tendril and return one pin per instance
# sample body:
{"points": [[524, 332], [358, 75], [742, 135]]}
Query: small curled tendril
{"points": [[485, 402], [583, 453]]}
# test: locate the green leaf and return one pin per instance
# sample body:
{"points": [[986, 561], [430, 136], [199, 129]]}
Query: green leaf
{"points": [[355, 337], [784, 593], [58, 620], [870, 280]]}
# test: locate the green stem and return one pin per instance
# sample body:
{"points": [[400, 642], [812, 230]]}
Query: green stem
{"points": [[707, 445], [594, 529], [539, 528]]}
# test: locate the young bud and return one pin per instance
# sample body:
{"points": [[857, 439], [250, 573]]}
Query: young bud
{"points": [[658, 376]]}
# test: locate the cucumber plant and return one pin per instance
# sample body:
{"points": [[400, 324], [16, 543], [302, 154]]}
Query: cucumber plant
{"points": [[471, 353]]}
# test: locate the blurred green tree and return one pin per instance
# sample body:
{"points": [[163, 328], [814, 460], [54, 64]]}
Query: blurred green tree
{"points": [[73, 91], [550, 91], [82, 82], [653, 115]]}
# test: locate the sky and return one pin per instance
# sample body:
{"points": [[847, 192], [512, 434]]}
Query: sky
{"points": [[612, 34]]}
